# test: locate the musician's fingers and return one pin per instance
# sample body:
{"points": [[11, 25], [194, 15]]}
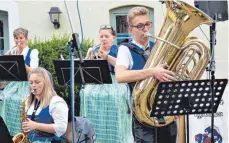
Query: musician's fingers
{"points": [[26, 130], [170, 73], [163, 79], [99, 54], [169, 77]]}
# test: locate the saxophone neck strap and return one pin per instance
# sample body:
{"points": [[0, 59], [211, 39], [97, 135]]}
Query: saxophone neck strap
{"points": [[36, 106]]}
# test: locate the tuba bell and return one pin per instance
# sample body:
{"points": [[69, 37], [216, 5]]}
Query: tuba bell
{"points": [[186, 57]]}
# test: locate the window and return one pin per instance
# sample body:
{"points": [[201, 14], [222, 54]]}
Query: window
{"points": [[121, 24], [118, 20], [4, 32], [1, 37]]}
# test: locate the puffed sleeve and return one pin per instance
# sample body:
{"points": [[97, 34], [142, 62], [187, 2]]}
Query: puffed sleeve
{"points": [[58, 109], [34, 58]]}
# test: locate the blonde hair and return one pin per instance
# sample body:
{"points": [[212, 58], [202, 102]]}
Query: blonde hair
{"points": [[20, 31], [136, 11], [48, 91]]}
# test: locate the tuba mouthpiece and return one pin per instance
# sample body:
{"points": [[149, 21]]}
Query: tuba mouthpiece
{"points": [[147, 34]]}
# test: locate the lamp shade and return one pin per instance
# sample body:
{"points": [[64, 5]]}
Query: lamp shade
{"points": [[54, 14]]}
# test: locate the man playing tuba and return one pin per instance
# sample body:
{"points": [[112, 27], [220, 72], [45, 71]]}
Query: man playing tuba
{"points": [[129, 68]]}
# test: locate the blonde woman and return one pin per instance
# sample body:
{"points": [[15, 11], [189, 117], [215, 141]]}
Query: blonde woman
{"points": [[15, 91], [47, 112]]}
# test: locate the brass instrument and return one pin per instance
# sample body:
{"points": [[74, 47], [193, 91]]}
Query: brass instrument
{"points": [[22, 137], [93, 52], [186, 57], [14, 50]]}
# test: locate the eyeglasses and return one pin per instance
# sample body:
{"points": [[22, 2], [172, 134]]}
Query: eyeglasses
{"points": [[142, 26], [108, 27]]}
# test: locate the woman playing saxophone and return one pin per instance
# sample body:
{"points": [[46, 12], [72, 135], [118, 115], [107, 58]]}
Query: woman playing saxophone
{"points": [[47, 113]]}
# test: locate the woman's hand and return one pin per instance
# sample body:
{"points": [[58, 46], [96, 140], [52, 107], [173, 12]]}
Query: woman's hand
{"points": [[28, 125], [28, 69], [103, 54]]}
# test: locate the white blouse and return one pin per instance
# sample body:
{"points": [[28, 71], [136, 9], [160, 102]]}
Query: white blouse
{"points": [[124, 57], [33, 56], [58, 109]]}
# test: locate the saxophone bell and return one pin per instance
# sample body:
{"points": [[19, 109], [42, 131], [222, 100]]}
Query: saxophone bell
{"points": [[19, 138]]}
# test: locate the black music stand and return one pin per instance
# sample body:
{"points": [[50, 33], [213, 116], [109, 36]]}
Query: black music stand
{"points": [[186, 97], [94, 71], [12, 68]]}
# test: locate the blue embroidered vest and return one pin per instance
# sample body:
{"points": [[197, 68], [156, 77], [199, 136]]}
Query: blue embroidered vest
{"points": [[27, 58], [138, 60], [42, 117]]}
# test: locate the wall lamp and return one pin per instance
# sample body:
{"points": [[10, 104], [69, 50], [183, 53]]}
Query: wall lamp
{"points": [[54, 14]]}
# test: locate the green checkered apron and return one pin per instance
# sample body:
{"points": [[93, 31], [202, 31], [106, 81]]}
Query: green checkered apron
{"points": [[106, 106], [12, 97]]}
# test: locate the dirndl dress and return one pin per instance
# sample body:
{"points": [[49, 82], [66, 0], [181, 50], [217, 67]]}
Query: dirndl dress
{"points": [[106, 106], [12, 96]]}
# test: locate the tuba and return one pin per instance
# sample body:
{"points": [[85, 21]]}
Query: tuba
{"points": [[22, 137], [186, 57]]}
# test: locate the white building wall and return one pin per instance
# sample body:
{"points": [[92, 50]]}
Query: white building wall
{"points": [[93, 14], [11, 6], [34, 16]]}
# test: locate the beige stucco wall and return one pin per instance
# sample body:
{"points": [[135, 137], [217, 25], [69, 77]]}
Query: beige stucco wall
{"points": [[93, 14], [34, 16], [11, 7]]}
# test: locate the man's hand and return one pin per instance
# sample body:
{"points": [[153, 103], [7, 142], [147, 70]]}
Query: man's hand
{"points": [[161, 74]]}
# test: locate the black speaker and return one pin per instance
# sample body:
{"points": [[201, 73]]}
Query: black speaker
{"points": [[213, 8], [4, 133]]}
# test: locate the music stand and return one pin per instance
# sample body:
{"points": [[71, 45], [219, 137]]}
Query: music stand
{"points": [[12, 68], [94, 71], [186, 97]]}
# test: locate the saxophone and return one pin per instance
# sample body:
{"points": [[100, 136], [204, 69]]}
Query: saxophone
{"points": [[22, 137], [186, 57]]}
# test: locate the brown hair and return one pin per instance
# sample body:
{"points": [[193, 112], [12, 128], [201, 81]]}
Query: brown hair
{"points": [[20, 31], [108, 27], [136, 11]]}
